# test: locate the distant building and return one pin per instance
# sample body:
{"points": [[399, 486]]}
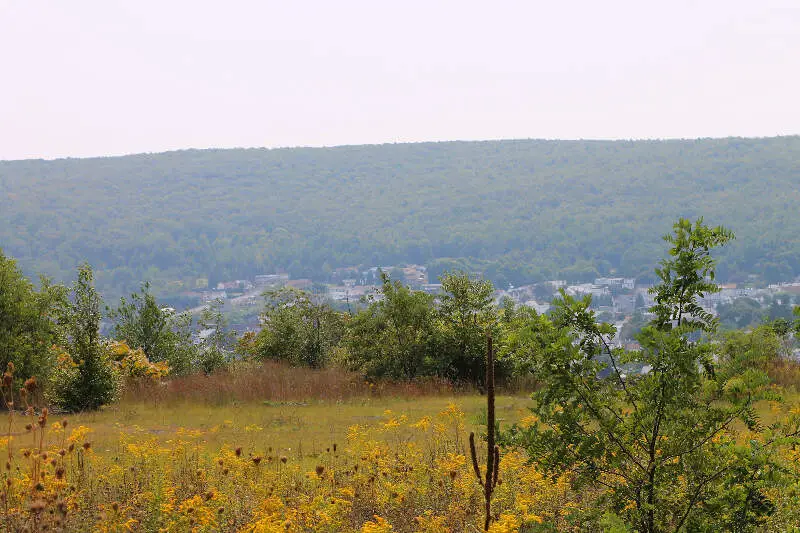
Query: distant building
{"points": [[415, 275], [587, 288], [239, 284], [210, 296], [301, 284], [616, 283], [268, 280], [339, 293], [624, 303], [431, 288]]}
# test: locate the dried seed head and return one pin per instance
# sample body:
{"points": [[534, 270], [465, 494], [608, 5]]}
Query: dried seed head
{"points": [[87, 445], [60, 472], [37, 506], [238, 452], [320, 470], [256, 460], [284, 459], [30, 384]]}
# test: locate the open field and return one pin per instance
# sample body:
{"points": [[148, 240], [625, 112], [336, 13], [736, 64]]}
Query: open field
{"points": [[325, 453], [370, 464], [301, 429]]}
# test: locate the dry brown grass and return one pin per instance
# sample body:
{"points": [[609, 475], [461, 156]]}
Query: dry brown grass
{"points": [[272, 381], [785, 373]]}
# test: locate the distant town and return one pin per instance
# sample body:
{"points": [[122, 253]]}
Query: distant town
{"points": [[618, 300]]}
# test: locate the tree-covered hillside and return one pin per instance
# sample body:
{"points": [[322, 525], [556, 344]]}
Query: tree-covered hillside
{"points": [[519, 211]]}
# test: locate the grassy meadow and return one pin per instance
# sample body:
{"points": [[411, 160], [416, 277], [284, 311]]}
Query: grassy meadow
{"points": [[271, 448], [348, 456], [300, 429]]}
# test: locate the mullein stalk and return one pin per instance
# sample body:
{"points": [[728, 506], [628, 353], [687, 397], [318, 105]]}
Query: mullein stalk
{"points": [[492, 450]]}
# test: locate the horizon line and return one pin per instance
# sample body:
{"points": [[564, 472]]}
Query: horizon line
{"points": [[395, 143]]}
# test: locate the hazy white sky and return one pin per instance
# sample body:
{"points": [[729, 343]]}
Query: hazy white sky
{"points": [[82, 78]]}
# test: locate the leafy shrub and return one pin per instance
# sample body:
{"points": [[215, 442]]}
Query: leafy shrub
{"points": [[85, 376]]}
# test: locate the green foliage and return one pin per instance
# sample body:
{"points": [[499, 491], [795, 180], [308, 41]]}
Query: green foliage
{"points": [[466, 313], [660, 449], [686, 275], [215, 350], [395, 335], [29, 321], [405, 333], [161, 334], [518, 211], [740, 313], [297, 328], [632, 327], [86, 378], [743, 351]]}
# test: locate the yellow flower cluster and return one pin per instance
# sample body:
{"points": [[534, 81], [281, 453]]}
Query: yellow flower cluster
{"points": [[395, 475], [134, 363]]}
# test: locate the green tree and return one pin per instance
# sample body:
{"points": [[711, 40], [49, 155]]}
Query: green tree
{"points": [[660, 448], [29, 321], [88, 379], [394, 335], [298, 328], [739, 314], [159, 332], [466, 313]]}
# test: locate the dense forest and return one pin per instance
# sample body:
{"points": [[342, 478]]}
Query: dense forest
{"points": [[518, 211]]}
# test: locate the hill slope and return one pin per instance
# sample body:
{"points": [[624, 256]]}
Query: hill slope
{"points": [[518, 210]]}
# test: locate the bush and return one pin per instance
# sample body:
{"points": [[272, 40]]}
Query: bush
{"points": [[85, 376]]}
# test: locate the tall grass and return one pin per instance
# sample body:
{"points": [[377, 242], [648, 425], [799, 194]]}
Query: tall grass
{"points": [[279, 382], [784, 373]]}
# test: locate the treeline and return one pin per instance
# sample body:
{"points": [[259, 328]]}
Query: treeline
{"points": [[517, 211], [53, 334], [399, 334]]}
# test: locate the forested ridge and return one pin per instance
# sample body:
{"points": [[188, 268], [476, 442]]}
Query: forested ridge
{"points": [[518, 211]]}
